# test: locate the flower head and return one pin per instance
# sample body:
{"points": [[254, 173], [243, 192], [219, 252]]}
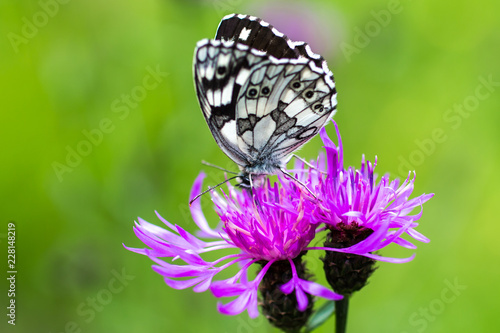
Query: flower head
{"points": [[362, 215], [278, 227], [353, 199], [272, 226]]}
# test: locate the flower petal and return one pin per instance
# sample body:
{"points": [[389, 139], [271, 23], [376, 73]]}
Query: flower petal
{"points": [[196, 212]]}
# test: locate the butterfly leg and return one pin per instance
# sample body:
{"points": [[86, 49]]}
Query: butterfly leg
{"points": [[308, 164], [299, 182]]}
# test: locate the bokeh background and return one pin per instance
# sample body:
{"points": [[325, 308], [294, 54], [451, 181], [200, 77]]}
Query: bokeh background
{"points": [[100, 124]]}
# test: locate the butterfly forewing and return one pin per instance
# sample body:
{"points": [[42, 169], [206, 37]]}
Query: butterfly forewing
{"points": [[257, 34], [220, 69]]}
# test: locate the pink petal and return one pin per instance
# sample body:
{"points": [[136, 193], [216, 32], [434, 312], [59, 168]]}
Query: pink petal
{"points": [[316, 289]]}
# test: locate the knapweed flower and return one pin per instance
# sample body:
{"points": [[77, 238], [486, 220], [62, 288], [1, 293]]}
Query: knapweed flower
{"points": [[269, 225], [362, 215]]}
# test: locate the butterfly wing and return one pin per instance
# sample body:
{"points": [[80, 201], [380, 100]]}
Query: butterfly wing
{"points": [[220, 70], [262, 95], [282, 106], [257, 34], [260, 35]]}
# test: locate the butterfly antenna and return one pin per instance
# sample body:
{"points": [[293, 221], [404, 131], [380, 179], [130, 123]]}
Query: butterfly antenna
{"points": [[299, 182], [218, 167], [211, 188]]}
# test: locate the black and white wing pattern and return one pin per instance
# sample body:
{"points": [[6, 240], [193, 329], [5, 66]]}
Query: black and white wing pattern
{"points": [[262, 95]]}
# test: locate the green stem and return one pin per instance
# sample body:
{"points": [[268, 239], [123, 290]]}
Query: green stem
{"points": [[341, 308]]}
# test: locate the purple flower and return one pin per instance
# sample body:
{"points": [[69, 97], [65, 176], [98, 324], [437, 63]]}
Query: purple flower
{"points": [[371, 213], [273, 226]]}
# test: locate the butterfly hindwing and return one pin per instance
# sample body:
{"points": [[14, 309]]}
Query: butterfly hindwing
{"points": [[280, 108]]}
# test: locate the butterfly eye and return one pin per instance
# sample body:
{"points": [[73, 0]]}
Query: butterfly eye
{"points": [[318, 107], [253, 92], [308, 95], [265, 91], [296, 85]]}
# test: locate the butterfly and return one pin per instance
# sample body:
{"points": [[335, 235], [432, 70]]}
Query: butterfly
{"points": [[262, 95]]}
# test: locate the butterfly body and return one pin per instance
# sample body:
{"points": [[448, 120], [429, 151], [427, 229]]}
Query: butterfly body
{"points": [[262, 95]]}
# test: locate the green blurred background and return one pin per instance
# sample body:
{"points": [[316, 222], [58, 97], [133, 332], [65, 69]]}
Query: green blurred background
{"points": [[418, 86]]}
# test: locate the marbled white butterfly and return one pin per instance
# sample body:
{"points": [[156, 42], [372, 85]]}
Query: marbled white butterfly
{"points": [[263, 95]]}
